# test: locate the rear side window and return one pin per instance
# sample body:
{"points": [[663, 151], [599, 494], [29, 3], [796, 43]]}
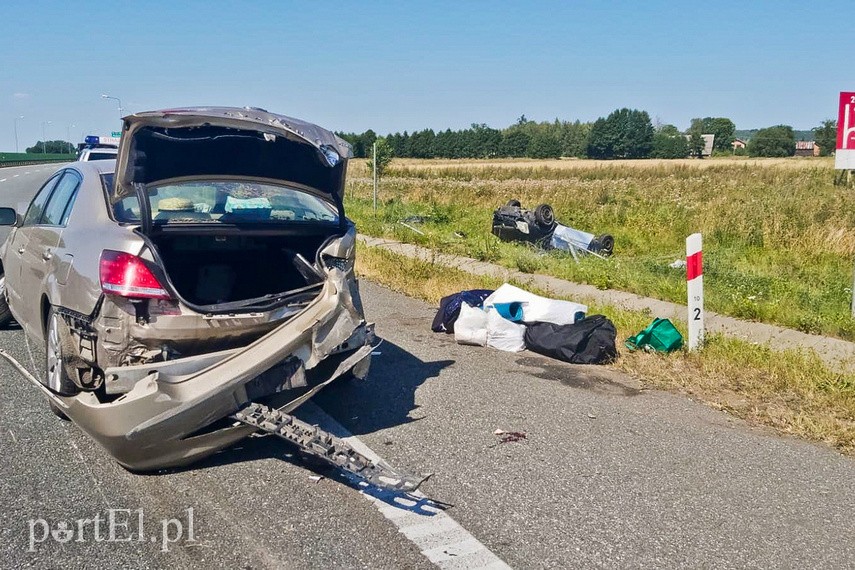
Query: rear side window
{"points": [[59, 206], [37, 206], [125, 210]]}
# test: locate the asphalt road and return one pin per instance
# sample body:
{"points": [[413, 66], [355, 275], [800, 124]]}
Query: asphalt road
{"points": [[608, 475]]}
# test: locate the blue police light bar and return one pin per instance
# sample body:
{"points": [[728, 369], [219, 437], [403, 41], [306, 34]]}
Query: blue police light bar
{"points": [[91, 139]]}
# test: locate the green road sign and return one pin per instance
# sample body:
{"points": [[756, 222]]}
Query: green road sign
{"points": [[116, 134]]}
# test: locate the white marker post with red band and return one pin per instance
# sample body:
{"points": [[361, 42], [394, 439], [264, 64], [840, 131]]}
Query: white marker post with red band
{"points": [[695, 281]]}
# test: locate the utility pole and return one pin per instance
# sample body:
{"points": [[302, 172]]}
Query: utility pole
{"points": [[374, 153], [68, 137], [16, 132], [44, 137]]}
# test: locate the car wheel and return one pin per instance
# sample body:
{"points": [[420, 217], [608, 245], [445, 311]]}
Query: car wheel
{"points": [[513, 203], [57, 378], [5, 311], [544, 216], [603, 244]]}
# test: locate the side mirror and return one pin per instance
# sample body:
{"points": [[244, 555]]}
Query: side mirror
{"points": [[8, 217]]}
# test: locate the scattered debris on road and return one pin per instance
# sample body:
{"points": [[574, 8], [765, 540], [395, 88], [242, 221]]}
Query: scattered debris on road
{"points": [[589, 341], [320, 444], [449, 308], [510, 436], [512, 319], [660, 336]]}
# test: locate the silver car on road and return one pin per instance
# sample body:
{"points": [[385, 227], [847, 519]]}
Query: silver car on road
{"points": [[209, 266]]}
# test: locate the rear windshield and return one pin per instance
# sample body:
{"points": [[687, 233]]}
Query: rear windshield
{"points": [[101, 156], [226, 202]]}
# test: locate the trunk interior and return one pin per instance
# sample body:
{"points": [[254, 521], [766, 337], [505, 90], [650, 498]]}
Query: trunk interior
{"points": [[209, 269]]}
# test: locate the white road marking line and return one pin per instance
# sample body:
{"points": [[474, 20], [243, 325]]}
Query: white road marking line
{"points": [[85, 464], [3, 180], [27, 172], [439, 537], [15, 175]]}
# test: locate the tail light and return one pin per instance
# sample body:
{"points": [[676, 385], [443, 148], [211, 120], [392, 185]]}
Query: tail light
{"points": [[128, 275]]}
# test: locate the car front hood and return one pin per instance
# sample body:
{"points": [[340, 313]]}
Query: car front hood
{"points": [[225, 141]]}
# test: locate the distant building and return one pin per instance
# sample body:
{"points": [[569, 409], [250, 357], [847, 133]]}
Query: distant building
{"points": [[807, 148], [738, 143], [708, 144]]}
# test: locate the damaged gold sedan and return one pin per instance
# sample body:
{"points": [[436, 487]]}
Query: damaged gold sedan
{"points": [[210, 267]]}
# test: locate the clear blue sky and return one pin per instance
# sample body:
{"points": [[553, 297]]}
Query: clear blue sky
{"points": [[395, 66]]}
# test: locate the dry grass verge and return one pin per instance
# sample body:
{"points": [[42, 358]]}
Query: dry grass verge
{"points": [[791, 391]]}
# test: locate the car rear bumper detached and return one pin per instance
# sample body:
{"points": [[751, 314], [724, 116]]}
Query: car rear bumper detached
{"points": [[171, 414]]}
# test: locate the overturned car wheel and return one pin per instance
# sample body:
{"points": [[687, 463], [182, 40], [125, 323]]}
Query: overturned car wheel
{"points": [[544, 216]]}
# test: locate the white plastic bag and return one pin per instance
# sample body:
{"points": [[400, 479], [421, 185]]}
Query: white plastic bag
{"points": [[471, 326], [535, 307], [503, 334]]}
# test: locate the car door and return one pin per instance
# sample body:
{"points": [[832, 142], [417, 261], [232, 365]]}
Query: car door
{"points": [[41, 261], [17, 247]]}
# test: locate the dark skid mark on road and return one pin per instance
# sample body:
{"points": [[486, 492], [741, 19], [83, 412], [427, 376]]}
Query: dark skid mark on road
{"points": [[576, 376]]}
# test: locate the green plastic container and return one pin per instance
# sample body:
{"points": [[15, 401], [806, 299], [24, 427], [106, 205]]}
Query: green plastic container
{"points": [[661, 336]]}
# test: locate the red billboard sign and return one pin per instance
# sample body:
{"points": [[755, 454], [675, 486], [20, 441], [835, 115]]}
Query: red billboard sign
{"points": [[844, 156], [846, 121]]}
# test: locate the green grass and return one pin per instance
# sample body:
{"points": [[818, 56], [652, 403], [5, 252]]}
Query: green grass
{"points": [[779, 237], [33, 156]]}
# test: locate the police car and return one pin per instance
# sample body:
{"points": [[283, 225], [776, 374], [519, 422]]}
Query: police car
{"points": [[98, 148]]}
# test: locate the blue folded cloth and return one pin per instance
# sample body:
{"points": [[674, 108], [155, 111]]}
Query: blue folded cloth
{"points": [[511, 311]]}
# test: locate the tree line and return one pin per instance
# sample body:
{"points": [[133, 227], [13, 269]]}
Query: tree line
{"points": [[625, 133], [51, 147]]}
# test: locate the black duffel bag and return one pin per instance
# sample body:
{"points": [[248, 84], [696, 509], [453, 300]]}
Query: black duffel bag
{"points": [[589, 341]]}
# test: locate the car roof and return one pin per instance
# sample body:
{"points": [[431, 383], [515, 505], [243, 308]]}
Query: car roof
{"points": [[95, 167]]}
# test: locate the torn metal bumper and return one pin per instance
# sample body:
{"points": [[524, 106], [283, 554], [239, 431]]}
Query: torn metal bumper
{"points": [[167, 416]]}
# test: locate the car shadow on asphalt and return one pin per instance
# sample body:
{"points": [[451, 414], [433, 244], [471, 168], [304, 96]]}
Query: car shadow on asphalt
{"points": [[387, 397]]}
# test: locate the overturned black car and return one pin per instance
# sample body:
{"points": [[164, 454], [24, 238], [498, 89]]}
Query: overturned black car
{"points": [[512, 222]]}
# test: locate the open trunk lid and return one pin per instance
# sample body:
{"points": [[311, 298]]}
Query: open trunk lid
{"points": [[234, 143]]}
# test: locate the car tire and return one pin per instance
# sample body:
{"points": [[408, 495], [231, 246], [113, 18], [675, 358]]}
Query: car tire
{"points": [[544, 216], [513, 204], [56, 377], [603, 244], [5, 311]]}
